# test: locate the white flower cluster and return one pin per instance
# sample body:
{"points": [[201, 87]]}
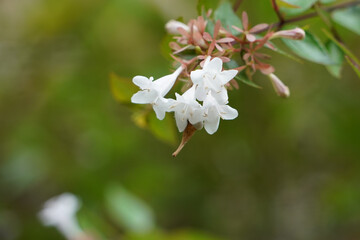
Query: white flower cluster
{"points": [[208, 87]]}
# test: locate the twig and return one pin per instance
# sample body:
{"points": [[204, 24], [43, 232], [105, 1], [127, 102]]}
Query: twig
{"points": [[237, 5], [278, 13], [310, 15]]}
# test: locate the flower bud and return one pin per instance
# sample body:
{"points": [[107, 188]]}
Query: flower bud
{"points": [[172, 27], [294, 34], [279, 86]]}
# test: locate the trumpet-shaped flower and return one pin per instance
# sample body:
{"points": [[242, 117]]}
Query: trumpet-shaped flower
{"points": [[213, 111], [153, 92], [186, 109], [294, 34], [60, 212], [211, 77]]}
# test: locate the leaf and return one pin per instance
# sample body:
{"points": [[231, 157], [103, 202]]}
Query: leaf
{"points": [[353, 65], [284, 4], [350, 57], [337, 56], [206, 5], [164, 130], [310, 48], [128, 211], [227, 17], [122, 88], [348, 18], [243, 78], [303, 5]]}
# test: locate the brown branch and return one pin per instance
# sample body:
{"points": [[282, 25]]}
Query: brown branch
{"points": [[278, 13], [310, 15], [237, 5]]}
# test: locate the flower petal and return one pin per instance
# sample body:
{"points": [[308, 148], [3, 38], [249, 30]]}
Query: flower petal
{"points": [[227, 75], [141, 81], [215, 65], [197, 76], [144, 97], [181, 121], [227, 112], [212, 125]]}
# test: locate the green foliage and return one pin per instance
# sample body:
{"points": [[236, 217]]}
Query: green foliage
{"points": [[122, 88], [227, 17], [337, 56], [128, 211], [204, 5], [302, 6], [348, 18], [310, 48]]}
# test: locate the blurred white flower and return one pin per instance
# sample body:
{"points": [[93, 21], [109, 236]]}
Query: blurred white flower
{"points": [[213, 111], [173, 26], [60, 212], [212, 78], [153, 92]]}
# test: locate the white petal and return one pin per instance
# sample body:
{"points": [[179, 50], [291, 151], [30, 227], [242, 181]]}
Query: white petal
{"points": [[144, 97], [196, 115], [197, 76], [227, 75], [212, 125], [215, 65], [221, 96], [200, 92], [141, 81], [227, 112], [160, 107], [181, 122]]}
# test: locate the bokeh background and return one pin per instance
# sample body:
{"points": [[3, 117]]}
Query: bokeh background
{"points": [[284, 169]]}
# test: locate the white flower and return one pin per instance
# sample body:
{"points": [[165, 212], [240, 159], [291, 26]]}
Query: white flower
{"points": [[280, 88], [60, 212], [186, 109], [153, 92], [172, 27], [294, 34], [211, 77], [214, 111]]}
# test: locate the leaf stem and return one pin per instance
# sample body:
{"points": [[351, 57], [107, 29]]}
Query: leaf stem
{"points": [[310, 15]]}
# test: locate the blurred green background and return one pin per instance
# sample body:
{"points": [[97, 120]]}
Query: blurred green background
{"points": [[284, 169]]}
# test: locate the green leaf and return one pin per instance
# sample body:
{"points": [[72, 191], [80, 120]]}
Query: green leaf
{"points": [[227, 17], [310, 48], [303, 5], [348, 18], [350, 57], [284, 4], [122, 88], [206, 5], [244, 79], [337, 56], [128, 211], [164, 130]]}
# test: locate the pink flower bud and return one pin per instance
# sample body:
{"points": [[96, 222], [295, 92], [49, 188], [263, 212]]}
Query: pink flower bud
{"points": [[294, 34], [172, 27], [280, 88]]}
